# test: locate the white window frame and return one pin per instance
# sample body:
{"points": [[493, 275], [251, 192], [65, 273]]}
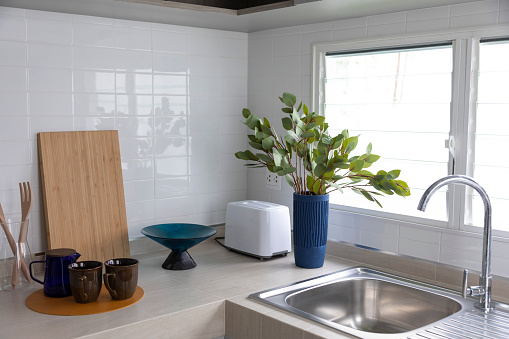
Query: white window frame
{"points": [[465, 44]]}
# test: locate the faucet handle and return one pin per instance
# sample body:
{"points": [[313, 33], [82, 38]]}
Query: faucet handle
{"points": [[464, 286]]}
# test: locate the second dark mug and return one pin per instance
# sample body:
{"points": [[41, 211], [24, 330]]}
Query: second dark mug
{"points": [[86, 280], [121, 277]]}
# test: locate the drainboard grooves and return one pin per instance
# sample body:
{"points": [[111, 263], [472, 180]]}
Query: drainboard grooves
{"points": [[483, 328], [439, 333], [430, 336], [486, 320], [454, 333], [467, 327]]}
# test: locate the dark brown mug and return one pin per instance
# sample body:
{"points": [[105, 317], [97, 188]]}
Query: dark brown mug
{"points": [[121, 277], [86, 280]]}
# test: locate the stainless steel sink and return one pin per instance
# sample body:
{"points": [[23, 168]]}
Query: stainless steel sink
{"points": [[372, 304]]}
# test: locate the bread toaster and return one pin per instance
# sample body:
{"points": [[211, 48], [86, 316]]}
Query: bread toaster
{"points": [[258, 228]]}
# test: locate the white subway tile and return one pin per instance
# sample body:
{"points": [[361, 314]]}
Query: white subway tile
{"points": [[206, 203], [137, 169], [233, 86], [260, 86], [44, 55], [94, 104], [174, 207], [306, 88], [132, 38], [13, 103], [88, 123], [233, 48], [50, 103], [15, 152], [427, 25], [430, 236], [131, 127], [232, 125], [94, 58], [203, 125], [202, 184], [94, 81], [479, 19], [229, 163], [140, 210], [88, 34], [349, 33], [168, 28], [472, 243], [13, 53], [503, 17], [474, 8], [171, 167], [201, 65], [174, 42], [460, 258], [134, 105], [49, 31], [139, 190], [234, 181], [170, 63], [91, 19], [261, 48], [233, 67], [204, 164], [17, 78], [49, 124], [232, 105], [261, 34], [135, 148], [350, 23], [230, 196], [262, 67], [13, 27], [171, 187], [203, 45], [308, 39], [42, 79], [287, 66], [170, 84], [287, 45], [203, 86], [133, 61], [322, 26], [170, 105], [46, 15], [231, 144], [170, 147], [134, 83], [504, 5], [287, 31], [340, 233], [386, 30], [260, 195], [287, 84], [419, 249], [204, 105], [12, 11], [384, 242], [428, 13], [171, 126], [13, 127], [132, 24], [12, 175], [384, 19]]}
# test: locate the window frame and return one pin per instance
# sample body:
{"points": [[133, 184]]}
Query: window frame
{"points": [[465, 45]]}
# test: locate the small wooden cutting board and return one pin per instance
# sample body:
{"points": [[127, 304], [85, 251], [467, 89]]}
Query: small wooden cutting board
{"points": [[83, 193]]}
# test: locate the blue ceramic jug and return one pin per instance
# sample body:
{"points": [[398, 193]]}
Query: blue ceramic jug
{"points": [[56, 272]]}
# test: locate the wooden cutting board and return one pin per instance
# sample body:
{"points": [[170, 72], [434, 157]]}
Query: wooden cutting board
{"points": [[83, 193]]}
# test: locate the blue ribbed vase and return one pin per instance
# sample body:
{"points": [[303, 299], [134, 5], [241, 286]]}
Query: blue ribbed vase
{"points": [[310, 224]]}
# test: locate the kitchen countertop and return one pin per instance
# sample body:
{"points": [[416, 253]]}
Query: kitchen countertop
{"points": [[172, 298]]}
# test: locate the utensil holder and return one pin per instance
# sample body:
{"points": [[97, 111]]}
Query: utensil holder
{"points": [[14, 251]]}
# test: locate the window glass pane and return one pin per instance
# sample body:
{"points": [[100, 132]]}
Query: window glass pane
{"points": [[399, 100], [490, 164]]}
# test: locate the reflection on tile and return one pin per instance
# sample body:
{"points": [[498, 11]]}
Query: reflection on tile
{"points": [[171, 167], [171, 187], [136, 148], [132, 38], [171, 147], [170, 63], [94, 81], [134, 126], [170, 84], [138, 190], [51, 31], [133, 83], [94, 58], [87, 34], [94, 104], [170, 105], [137, 169], [94, 123], [133, 61], [170, 126], [134, 104]]}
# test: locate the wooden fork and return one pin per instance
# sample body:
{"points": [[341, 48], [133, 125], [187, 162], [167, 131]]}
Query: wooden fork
{"points": [[25, 191]]}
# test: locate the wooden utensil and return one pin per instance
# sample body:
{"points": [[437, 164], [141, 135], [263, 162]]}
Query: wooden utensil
{"points": [[83, 193], [25, 192], [12, 243]]}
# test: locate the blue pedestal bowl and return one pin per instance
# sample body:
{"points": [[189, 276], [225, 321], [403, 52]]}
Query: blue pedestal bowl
{"points": [[179, 238]]}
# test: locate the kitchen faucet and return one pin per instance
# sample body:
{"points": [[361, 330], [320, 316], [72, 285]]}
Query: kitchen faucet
{"points": [[484, 288]]}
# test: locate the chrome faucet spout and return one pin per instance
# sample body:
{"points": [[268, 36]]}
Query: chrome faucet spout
{"points": [[484, 288]]}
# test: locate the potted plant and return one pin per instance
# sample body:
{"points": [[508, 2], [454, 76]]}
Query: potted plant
{"points": [[314, 164]]}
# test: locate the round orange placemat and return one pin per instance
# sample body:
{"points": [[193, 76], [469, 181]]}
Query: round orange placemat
{"points": [[38, 302]]}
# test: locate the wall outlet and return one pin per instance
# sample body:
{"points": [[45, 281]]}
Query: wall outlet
{"points": [[272, 180]]}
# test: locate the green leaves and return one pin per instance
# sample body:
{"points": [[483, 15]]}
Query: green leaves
{"points": [[311, 159]]}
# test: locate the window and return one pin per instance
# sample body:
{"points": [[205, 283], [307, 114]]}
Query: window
{"points": [[489, 163], [399, 100], [431, 105]]}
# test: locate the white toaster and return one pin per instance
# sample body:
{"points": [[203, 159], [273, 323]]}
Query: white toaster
{"points": [[258, 228]]}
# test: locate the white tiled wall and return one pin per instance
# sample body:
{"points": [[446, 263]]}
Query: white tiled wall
{"points": [[280, 61], [174, 93]]}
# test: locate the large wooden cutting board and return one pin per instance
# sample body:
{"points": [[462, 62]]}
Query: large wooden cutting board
{"points": [[83, 192]]}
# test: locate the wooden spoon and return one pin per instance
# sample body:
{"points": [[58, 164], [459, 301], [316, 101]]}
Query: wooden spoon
{"points": [[25, 191]]}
